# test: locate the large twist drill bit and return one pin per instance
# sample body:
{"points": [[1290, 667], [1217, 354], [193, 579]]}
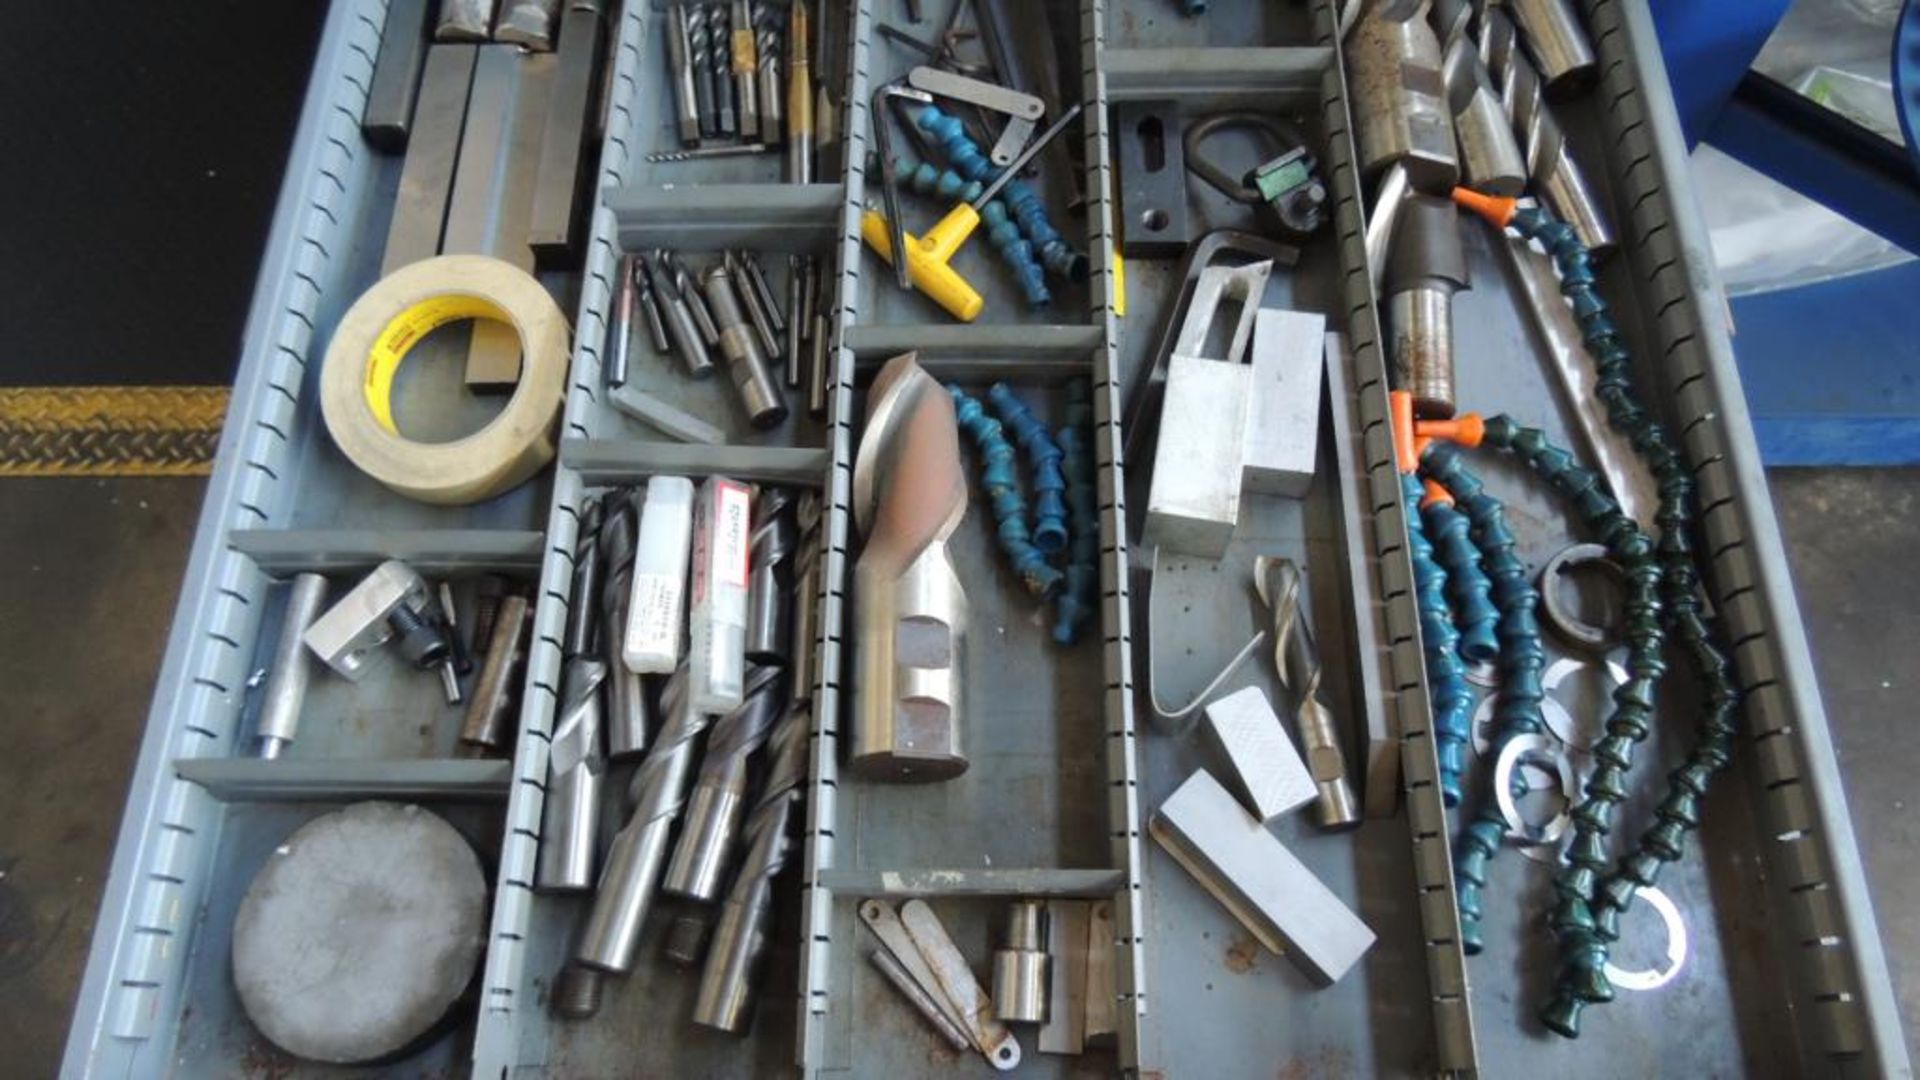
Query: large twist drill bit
{"points": [[1557, 178], [768, 629], [699, 867], [658, 791], [910, 615], [626, 717], [1299, 666], [725, 997], [570, 818], [1489, 157], [806, 594]]}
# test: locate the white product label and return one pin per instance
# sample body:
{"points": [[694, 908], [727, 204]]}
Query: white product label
{"points": [[730, 535], [655, 610]]}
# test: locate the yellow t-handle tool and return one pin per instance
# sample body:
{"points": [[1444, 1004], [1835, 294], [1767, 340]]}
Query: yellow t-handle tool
{"points": [[930, 255]]}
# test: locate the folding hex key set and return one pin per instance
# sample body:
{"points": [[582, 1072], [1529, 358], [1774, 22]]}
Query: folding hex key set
{"points": [[950, 385]]}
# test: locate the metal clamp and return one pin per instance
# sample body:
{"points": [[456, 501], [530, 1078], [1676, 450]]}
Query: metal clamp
{"points": [[350, 632], [1286, 185]]}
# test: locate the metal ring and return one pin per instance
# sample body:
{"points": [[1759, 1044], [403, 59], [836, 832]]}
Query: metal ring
{"points": [[1540, 751], [1485, 675], [1550, 681], [1199, 165], [1580, 634], [1655, 978], [1552, 712]]}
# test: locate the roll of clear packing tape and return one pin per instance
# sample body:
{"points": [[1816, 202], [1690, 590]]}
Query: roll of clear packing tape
{"points": [[356, 383]]}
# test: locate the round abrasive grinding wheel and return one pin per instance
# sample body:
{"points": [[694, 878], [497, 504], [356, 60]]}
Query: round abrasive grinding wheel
{"points": [[359, 932]]}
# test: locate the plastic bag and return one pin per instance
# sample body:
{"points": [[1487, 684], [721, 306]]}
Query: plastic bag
{"points": [[1767, 236]]}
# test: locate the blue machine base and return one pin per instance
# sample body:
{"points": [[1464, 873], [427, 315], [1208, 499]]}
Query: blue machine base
{"points": [[1832, 371]]}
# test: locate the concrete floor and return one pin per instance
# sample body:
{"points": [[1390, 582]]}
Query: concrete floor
{"points": [[92, 568]]}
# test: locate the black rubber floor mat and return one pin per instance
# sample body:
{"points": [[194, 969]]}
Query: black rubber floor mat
{"points": [[147, 143]]}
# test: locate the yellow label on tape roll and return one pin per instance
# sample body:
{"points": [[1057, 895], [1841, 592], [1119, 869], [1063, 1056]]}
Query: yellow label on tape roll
{"points": [[388, 321], [405, 331]]}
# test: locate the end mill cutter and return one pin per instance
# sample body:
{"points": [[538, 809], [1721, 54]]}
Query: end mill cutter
{"points": [[759, 394], [631, 876], [1298, 662], [910, 611], [686, 101], [711, 821], [720, 70], [1425, 266], [742, 932], [698, 22], [744, 50], [771, 86], [682, 325]]}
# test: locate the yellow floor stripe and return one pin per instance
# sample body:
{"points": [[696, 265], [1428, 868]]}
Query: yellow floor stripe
{"points": [[110, 430]]}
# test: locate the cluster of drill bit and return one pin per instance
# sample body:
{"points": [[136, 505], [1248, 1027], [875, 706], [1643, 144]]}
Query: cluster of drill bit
{"points": [[726, 60], [743, 83], [1063, 505], [711, 801], [730, 309]]}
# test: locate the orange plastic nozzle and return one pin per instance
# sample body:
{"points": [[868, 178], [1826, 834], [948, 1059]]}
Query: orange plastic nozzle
{"points": [[1495, 208], [1406, 454], [1467, 429], [1435, 494]]}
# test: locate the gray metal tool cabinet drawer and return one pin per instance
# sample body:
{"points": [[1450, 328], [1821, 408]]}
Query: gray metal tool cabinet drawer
{"points": [[1786, 973]]}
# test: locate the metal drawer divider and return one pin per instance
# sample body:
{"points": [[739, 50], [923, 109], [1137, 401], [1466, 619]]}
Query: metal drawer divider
{"points": [[506, 1014], [1843, 995]]}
